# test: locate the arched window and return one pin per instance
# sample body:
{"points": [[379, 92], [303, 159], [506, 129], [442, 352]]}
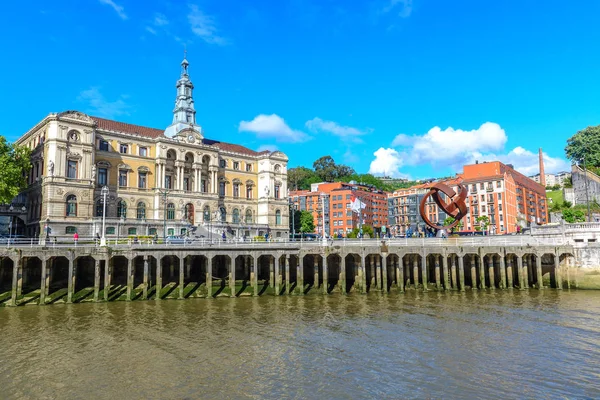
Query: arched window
{"points": [[206, 214], [189, 213], [278, 217], [236, 216], [71, 206], [223, 214], [248, 216], [141, 210], [170, 211], [121, 209], [99, 208]]}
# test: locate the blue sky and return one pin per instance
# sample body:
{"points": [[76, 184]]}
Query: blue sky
{"points": [[399, 87]]}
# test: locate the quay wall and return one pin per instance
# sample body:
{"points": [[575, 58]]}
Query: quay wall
{"points": [[72, 274]]}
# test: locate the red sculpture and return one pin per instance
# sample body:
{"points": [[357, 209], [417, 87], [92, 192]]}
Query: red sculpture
{"points": [[455, 207]]}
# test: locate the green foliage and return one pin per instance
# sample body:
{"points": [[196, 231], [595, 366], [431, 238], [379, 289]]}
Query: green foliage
{"points": [[573, 216], [307, 224], [483, 222], [295, 220], [567, 204], [326, 170], [585, 142], [553, 187], [14, 167], [450, 220], [367, 232], [568, 182]]}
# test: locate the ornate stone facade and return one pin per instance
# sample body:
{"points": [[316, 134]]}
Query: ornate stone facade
{"points": [[174, 178]]}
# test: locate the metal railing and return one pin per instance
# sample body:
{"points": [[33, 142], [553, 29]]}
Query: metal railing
{"points": [[473, 241]]}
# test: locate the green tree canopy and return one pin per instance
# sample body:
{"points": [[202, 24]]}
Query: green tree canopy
{"points": [[14, 167], [307, 224], [483, 222], [585, 143]]}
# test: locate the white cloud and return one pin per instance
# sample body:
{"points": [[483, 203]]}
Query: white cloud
{"points": [[452, 147], [118, 9], [526, 161], [101, 107], [347, 132], [404, 7], [204, 26], [272, 126], [267, 147], [151, 30], [160, 20], [387, 162]]}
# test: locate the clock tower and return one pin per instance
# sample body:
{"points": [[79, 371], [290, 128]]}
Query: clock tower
{"points": [[184, 113]]}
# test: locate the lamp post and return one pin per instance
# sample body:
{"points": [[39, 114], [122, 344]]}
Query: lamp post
{"points": [[10, 224], [323, 205], [164, 193], [293, 209], [104, 193]]}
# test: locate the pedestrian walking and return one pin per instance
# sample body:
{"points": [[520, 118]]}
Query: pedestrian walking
{"points": [[75, 238]]}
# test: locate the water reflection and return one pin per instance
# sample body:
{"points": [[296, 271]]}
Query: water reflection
{"points": [[482, 344]]}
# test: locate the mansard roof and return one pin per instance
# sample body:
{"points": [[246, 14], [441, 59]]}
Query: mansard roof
{"points": [[153, 133]]}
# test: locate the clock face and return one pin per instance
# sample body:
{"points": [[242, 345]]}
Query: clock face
{"points": [[190, 138]]}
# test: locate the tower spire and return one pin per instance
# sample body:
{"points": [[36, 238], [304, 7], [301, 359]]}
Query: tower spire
{"points": [[184, 113]]}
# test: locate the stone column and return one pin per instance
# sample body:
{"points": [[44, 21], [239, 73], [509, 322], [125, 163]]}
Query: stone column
{"points": [[43, 283], [400, 273], [372, 282], [96, 280], [342, 275], [17, 280], [288, 282], [557, 271], [130, 275], [378, 272], [253, 274], [300, 276], [277, 275], [473, 272], [436, 261], [271, 272], [424, 272], [538, 270], [416, 271], [232, 277], [71, 281], [445, 272], [526, 267], [509, 271], [181, 277], [491, 274], [461, 273], [520, 272], [384, 273], [502, 265], [209, 277], [158, 286], [363, 274], [325, 276], [316, 273], [146, 280], [107, 278], [187, 263], [406, 271], [481, 272], [453, 272]]}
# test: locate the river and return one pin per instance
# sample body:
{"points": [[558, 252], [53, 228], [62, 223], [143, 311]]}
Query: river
{"points": [[490, 344]]}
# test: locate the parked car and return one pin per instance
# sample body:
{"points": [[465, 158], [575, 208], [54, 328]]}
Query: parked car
{"points": [[179, 240]]}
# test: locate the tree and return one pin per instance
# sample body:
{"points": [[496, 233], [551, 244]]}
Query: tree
{"points": [[325, 168], [14, 167], [367, 232], [307, 223], [450, 220], [295, 220], [585, 142], [300, 178], [483, 222], [344, 170]]}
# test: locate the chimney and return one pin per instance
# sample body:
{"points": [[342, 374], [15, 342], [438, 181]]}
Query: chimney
{"points": [[542, 174]]}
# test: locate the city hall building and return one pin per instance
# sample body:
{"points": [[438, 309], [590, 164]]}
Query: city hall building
{"points": [[174, 179]]}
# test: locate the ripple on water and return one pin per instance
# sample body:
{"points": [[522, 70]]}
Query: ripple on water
{"points": [[491, 345]]}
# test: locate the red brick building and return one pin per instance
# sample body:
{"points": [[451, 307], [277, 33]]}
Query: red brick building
{"points": [[337, 197]]}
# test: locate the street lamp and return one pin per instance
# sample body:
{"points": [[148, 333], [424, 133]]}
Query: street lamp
{"points": [[293, 209], [104, 193], [323, 205]]}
